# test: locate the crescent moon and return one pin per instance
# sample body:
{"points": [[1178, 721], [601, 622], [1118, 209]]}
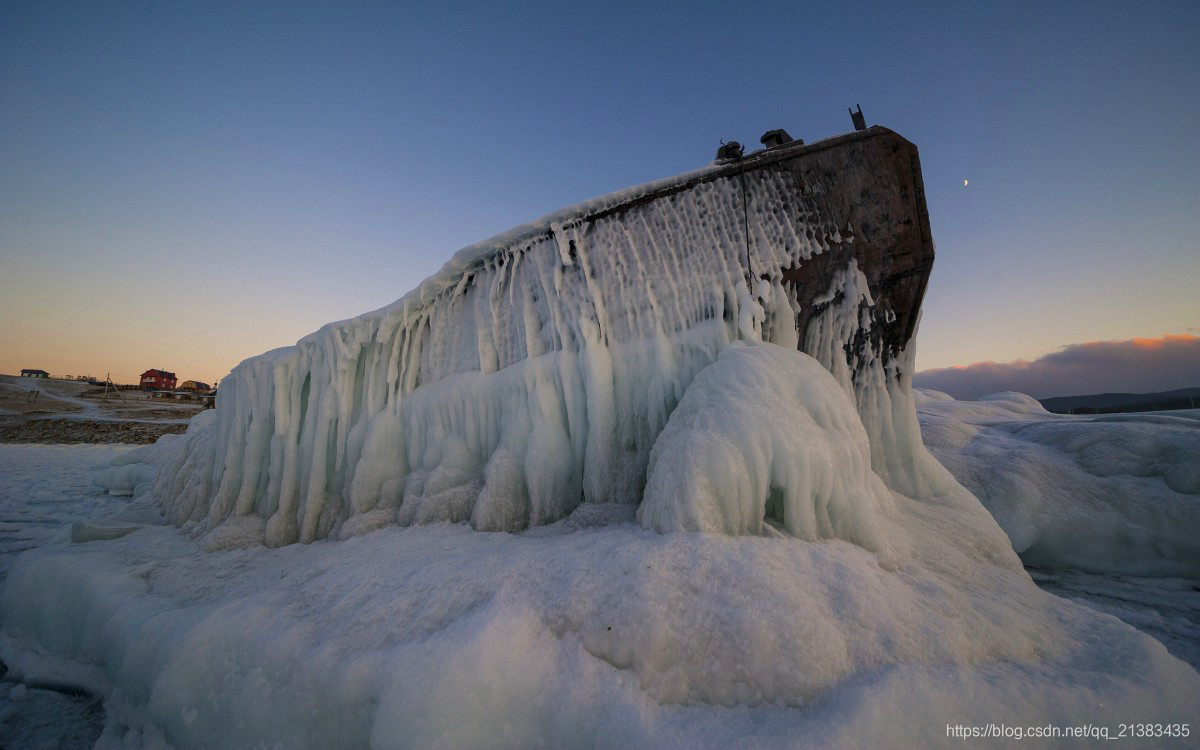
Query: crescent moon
{"points": [[964, 183]]}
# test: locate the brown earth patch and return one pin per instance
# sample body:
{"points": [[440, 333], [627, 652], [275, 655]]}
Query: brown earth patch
{"points": [[22, 429]]}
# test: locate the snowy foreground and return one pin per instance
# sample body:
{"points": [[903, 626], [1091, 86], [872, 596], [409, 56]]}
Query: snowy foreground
{"points": [[877, 620], [1105, 509], [43, 487]]}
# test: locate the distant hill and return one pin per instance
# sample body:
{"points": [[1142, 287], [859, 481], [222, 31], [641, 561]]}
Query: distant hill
{"points": [[1110, 403]]}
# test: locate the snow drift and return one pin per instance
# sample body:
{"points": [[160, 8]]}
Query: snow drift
{"points": [[1111, 493]]}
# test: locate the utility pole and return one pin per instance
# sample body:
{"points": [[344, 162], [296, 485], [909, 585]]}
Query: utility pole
{"points": [[108, 382]]}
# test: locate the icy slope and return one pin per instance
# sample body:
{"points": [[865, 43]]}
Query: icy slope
{"points": [[537, 369], [1109, 494]]}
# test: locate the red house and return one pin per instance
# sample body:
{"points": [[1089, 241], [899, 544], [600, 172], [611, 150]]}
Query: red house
{"points": [[158, 380]]}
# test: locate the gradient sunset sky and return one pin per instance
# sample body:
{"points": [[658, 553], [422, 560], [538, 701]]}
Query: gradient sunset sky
{"points": [[186, 184]]}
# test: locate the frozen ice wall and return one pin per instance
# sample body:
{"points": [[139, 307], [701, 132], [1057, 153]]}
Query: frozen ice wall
{"points": [[536, 370]]}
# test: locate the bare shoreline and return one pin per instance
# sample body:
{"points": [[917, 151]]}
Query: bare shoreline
{"points": [[37, 410]]}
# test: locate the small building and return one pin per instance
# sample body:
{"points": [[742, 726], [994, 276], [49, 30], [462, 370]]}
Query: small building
{"points": [[158, 380], [195, 385], [34, 374]]}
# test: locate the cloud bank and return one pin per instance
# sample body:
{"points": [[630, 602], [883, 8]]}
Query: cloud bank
{"points": [[1133, 366]]}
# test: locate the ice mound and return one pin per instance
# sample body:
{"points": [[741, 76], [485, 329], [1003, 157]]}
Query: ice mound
{"points": [[132, 470], [1017, 402], [765, 438], [1108, 494], [82, 532], [921, 395], [124, 479]]}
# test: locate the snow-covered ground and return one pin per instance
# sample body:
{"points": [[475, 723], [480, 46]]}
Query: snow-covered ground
{"points": [[1106, 509], [592, 631], [615, 636], [44, 488], [1117, 493], [1166, 608]]}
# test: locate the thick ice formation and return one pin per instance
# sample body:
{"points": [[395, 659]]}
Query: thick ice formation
{"points": [[1110, 493], [765, 438], [439, 636], [537, 370]]}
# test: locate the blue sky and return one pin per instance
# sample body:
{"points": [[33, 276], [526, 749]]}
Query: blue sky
{"points": [[186, 184]]}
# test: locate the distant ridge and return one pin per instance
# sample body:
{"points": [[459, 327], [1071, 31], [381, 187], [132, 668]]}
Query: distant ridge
{"points": [[1110, 403]]}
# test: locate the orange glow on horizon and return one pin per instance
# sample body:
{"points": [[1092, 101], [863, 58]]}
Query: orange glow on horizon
{"points": [[1178, 338], [1148, 344]]}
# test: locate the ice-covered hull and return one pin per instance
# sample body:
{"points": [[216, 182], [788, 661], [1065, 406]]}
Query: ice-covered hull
{"points": [[536, 370]]}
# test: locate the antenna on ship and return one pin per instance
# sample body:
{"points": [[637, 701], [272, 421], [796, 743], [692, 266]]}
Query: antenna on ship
{"points": [[858, 118]]}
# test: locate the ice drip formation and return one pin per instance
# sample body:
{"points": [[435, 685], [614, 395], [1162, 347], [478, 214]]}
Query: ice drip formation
{"points": [[537, 370]]}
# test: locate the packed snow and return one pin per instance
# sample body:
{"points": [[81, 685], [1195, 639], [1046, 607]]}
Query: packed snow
{"points": [[1113, 493]]}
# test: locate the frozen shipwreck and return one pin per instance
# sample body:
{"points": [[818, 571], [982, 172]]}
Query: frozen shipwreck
{"points": [[537, 370]]}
